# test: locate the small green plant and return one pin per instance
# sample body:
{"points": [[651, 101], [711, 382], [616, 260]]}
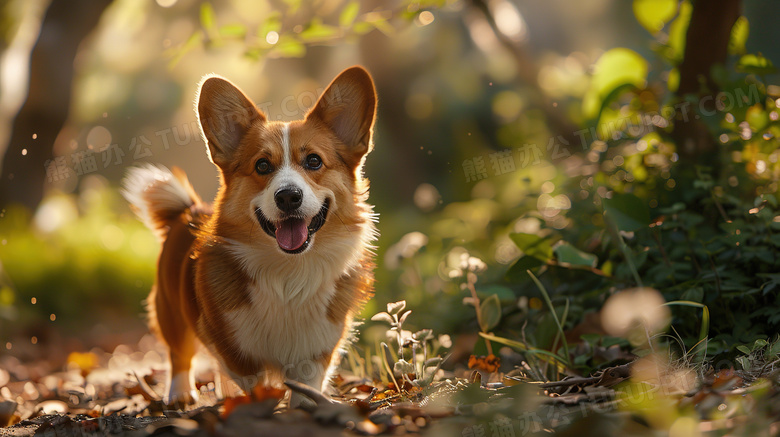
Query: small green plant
{"points": [[419, 370], [759, 358]]}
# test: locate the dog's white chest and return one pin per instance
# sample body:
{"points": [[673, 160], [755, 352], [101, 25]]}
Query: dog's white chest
{"points": [[284, 333]]}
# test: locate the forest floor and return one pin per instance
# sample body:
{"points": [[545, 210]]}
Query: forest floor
{"points": [[117, 394]]}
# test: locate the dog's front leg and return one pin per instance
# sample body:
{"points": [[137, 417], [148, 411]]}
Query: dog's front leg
{"points": [[314, 372]]}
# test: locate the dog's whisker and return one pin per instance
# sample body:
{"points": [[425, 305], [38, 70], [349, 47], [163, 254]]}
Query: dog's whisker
{"points": [[254, 221], [342, 222]]}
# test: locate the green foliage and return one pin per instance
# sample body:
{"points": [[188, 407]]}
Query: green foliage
{"points": [[489, 313], [287, 29], [533, 245], [627, 211], [569, 256], [739, 36], [623, 211], [86, 265], [756, 64], [758, 355], [634, 213], [615, 70], [420, 346], [705, 325], [560, 335], [654, 14]]}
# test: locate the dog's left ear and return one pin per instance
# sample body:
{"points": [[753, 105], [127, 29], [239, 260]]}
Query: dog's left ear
{"points": [[348, 108]]}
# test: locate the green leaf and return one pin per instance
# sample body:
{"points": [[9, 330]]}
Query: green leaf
{"points": [[673, 80], [757, 117], [617, 67], [627, 211], [654, 14], [394, 308], [704, 329], [207, 18], [403, 317], [232, 30], [592, 339], [383, 317], [675, 48], [755, 64], [504, 293], [349, 13], [566, 253], [541, 354], [533, 245], [289, 47], [489, 313], [6, 296], [607, 341], [774, 348], [612, 96], [317, 32], [362, 27], [423, 335], [744, 349], [382, 25], [759, 344], [517, 272], [403, 367], [739, 36]]}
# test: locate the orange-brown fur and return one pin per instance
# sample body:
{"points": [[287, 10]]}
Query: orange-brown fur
{"points": [[205, 267]]}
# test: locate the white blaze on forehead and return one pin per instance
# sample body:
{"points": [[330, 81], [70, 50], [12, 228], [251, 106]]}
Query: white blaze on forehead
{"points": [[287, 176], [286, 144]]}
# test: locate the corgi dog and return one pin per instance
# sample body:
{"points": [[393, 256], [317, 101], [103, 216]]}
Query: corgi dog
{"points": [[270, 277]]}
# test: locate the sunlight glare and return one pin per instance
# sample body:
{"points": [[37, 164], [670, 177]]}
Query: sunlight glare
{"points": [[508, 20], [625, 309], [54, 212], [425, 18]]}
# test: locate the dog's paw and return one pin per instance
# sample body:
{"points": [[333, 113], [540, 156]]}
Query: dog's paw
{"points": [[180, 393], [180, 401]]}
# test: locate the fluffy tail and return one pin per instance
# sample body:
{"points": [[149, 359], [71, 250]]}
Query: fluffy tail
{"points": [[159, 196]]}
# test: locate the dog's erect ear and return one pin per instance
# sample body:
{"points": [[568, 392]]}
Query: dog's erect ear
{"points": [[225, 114], [348, 107]]}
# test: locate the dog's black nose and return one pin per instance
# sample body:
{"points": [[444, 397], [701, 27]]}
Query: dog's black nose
{"points": [[288, 199]]}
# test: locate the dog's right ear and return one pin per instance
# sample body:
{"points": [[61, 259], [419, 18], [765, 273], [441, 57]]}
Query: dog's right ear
{"points": [[225, 115]]}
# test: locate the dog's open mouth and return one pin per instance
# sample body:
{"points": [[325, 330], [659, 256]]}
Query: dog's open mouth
{"points": [[292, 234]]}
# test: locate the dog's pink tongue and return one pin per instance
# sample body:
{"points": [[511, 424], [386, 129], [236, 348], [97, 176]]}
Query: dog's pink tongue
{"points": [[291, 234]]}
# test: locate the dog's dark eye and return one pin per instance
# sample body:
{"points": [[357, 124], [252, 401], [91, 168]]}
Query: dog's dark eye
{"points": [[262, 166], [313, 162]]}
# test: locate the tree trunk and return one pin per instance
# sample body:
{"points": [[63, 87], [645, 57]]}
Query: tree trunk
{"points": [[706, 45], [66, 24]]}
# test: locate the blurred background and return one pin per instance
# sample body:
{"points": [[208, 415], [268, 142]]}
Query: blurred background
{"points": [[496, 118]]}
